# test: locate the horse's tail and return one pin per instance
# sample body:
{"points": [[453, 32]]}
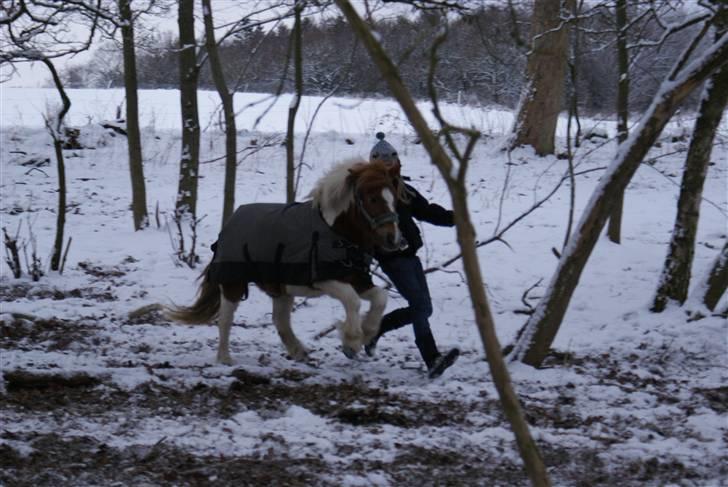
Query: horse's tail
{"points": [[203, 310]]}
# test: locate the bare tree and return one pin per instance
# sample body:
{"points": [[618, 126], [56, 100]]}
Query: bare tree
{"points": [[614, 230], [56, 129], [228, 108], [136, 166], [189, 71], [295, 103], [542, 95], [675, 279], [535, 338], [454, 175], [35, 32]]}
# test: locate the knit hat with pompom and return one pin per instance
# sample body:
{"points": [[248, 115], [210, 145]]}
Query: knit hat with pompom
{"points": [[383, 150]]}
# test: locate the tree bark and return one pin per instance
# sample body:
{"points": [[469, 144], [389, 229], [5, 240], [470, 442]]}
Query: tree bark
{"points": [[543, 93], [717, 279], [466, 238], [614, 230], [535, 338], [675, 279], [228, 109], [189, 74], [295, 103], [136, 168]]}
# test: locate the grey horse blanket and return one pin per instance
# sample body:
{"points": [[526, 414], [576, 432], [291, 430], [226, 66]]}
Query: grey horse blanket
{"points": [[276, 243]]}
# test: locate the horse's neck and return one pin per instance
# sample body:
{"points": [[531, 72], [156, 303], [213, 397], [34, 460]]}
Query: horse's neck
{"points": [[346, 226]]}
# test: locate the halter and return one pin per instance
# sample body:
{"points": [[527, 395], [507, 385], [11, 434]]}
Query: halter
{"points": [[389, 217]]}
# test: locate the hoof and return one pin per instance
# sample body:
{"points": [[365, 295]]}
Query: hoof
{"points": [[227, 360], [348, 351], [299, 356], [297, 352]]}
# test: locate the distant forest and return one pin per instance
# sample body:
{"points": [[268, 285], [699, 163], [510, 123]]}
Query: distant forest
{"points": [[482, 60]]}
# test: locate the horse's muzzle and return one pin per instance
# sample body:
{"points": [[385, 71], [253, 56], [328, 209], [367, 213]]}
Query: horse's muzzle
{"points": [[392, 246]]}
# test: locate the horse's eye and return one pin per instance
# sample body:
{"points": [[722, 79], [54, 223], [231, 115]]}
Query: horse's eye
{"points": [[373, 199]]}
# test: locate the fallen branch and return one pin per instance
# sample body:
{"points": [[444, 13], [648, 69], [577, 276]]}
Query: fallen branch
{"points": [[22, 316]]}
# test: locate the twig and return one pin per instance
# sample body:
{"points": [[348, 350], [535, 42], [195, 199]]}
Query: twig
{"points": [[36, 169], [321, 334], [11, 252], [702, 198], [499, 237]]}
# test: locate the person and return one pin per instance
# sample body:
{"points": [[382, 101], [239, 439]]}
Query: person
{"points": [[404, 269]]}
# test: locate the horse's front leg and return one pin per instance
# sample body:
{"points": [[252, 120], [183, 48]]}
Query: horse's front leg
{"points": [[377, 298], [350, 330], [282, 306]]}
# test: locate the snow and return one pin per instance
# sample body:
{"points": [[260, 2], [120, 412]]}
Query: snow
{"points": [[628, 386]]}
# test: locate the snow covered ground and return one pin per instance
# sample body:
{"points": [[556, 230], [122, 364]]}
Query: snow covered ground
{"points": [[628, 397]]}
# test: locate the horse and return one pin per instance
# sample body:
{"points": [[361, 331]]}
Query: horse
{"points": [[355, 202]]}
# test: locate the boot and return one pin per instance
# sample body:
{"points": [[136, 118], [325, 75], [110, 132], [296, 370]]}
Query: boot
{"points": [[442, 362], [371, 348], [391, 321], [428, 349]]}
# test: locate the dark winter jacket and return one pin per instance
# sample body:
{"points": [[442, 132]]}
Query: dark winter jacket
{"points": [[421, 209], [281, 244]]}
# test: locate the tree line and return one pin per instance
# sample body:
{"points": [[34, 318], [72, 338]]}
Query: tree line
{"points": [[481, 61]]}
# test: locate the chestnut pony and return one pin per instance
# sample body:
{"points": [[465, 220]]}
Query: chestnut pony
{"points": [[357, 200]]}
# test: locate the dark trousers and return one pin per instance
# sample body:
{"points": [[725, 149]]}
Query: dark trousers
{"points": [[408, 277]]}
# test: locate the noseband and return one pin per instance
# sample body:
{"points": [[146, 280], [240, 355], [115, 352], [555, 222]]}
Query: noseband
{"points": [[376, 222]]}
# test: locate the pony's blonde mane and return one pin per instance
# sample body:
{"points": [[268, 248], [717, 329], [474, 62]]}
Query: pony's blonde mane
{"points": [[332, 195]]}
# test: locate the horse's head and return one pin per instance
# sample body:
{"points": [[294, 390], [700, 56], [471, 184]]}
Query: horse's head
{"points": [[375, 191], [358, 200]]}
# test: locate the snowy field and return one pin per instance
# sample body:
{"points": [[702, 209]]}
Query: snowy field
{"points": [[627, 398]]}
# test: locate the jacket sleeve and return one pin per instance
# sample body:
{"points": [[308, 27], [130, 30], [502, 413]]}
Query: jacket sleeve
{"points": [[428, 212]]}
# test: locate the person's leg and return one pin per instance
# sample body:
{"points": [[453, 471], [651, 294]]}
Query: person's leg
{"points": [[409, 278], [396, 269]]}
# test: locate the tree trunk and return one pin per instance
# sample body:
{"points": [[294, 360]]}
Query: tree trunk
{"points": [[541, 99], [61, 214], [295, 103], [717, 279], [136, 168], [57, 132], [614, 230], [675, 279], [535, 339], [466, 238], [228, 109], [188, 76]]}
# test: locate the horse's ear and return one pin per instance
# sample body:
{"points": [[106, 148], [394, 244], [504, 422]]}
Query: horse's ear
{"points": [[353, 174], [394, 170]]}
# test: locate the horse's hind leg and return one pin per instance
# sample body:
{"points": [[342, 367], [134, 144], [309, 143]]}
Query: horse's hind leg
{"points": [[229, 300], [282, 306], [224, 323], [377, 298]]}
